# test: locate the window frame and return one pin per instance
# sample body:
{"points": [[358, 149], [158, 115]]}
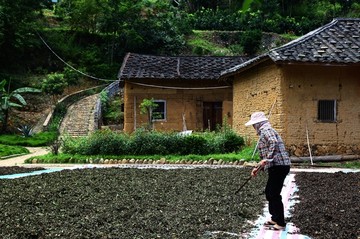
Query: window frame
{"points": [[163, 113], [327, 113]]}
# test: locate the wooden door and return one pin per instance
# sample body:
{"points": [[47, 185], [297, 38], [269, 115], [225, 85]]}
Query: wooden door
{"points": [[212, 115]]}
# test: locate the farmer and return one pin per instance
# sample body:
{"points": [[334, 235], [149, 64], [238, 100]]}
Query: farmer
{"points": [[275, 160]]}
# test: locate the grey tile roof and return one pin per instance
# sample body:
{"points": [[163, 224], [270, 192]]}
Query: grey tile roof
{"points": [[138, 66], [335, 43]]}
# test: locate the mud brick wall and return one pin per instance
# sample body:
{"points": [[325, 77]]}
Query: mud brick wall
{"points": [[303, 87], [297, 90], [178, 101], [258, 89]]}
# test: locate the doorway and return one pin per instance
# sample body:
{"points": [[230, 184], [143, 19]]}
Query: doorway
{"points": [[212, 115]]}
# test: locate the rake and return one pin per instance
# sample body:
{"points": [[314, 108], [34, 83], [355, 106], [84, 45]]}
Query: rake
{"points": [[258, 167]]}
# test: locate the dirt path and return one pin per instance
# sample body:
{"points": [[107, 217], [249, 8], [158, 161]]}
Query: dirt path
{"points": [[19, 160]]}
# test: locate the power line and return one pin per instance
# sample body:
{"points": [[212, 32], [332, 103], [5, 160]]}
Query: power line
{"points": [[73, 68], [181, 88]]}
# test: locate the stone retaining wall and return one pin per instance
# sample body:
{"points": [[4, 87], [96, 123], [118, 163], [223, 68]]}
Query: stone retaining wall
{"points": [[321, 150]]}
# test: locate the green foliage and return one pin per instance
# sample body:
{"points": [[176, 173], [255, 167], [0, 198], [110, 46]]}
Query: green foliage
{"points": [[251, 41], [55, 146], [6, 102], [201, 43], [230, 142], [148, 143], [7, 150], [7, 96], [18, 19], [26, 130], [112, 113], [194, 144], [215, 19], [70, 76], [143, 142], [39, 139], [146, 107], [346, 164], [54, 84], [58, 114], [247, 153], [99, 143], [147, 25], [104, 98], [94, 35]]}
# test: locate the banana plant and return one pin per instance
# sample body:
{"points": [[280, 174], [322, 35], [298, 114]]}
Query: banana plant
{"points": [[6, 101]]}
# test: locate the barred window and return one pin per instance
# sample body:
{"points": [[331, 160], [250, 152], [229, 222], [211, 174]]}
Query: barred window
{"points": [[327, 110], [159, 113]]}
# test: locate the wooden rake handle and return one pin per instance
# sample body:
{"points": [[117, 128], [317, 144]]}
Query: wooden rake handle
{"points": [[258, 167]]}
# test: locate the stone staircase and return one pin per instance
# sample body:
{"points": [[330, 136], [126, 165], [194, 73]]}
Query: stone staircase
{"points": [[79, 119]]}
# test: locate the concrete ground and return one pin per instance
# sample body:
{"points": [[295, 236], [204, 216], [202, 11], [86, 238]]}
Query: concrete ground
{"points": [[19, 160]]}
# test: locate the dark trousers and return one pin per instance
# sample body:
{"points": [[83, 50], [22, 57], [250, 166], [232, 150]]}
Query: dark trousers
{"points": [[276, 177]]}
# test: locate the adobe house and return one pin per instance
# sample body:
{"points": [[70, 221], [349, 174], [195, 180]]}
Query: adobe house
{"points": [[310, 87], [186, 89]]}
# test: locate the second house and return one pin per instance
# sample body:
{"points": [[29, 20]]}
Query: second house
{"points": [[185, 88]]}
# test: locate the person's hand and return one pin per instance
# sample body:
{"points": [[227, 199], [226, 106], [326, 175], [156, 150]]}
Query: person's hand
{"points": [[263, 162], [254, 172], [260, 166]]}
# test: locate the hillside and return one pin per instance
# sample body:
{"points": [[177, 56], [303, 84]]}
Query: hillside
{"points": [[228, 43]]}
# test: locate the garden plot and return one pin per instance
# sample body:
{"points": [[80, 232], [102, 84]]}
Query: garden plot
{"points": [[178, 203]]}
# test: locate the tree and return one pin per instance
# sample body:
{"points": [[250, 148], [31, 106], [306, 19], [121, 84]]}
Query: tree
{"points": [[146, 25], [82, 15], [54, 84], [18, 19], [146, 107], [7, 103]]}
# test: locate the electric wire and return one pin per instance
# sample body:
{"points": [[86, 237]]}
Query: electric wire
{"points": [[180, 88], [141, 84], [73, 68]]}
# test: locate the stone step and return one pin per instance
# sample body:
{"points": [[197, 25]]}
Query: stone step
{"points": [[79, 117]]}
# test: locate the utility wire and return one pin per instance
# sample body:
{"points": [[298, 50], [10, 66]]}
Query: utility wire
{"points": [[148, 85], [180, 88], [73, 68]]}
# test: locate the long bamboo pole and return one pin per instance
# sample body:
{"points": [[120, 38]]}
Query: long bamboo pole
{"points": [[308, 143]]}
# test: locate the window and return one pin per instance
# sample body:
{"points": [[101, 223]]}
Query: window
{"points": [[327, 110], [159, 113]]}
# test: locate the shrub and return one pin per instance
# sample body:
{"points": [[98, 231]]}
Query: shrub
{"points": [[112, 114], [39, 139], [250, 41], [26, 130], [195, 144], [99, 143], [143, 142], [232, 142], [6, 150]]}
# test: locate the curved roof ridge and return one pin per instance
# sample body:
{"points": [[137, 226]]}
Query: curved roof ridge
{"points": [[336, 42], [306, 36]]}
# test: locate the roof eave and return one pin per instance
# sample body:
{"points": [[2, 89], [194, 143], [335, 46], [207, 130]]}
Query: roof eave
{"points": [[245, 66], [123, 65], [316, 63]]}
